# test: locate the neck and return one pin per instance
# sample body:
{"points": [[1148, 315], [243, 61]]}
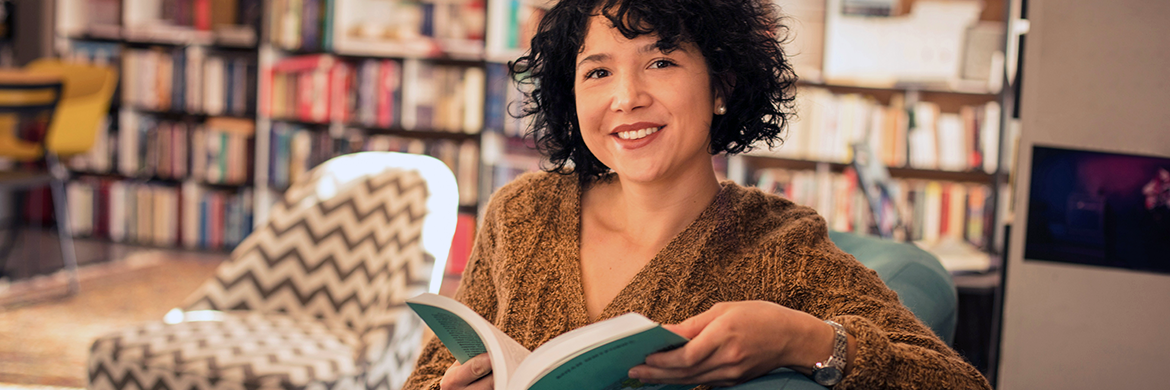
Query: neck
{"points": [[652, 212]]}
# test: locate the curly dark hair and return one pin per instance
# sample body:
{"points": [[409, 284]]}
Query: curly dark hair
{"points": [[740, 40]]}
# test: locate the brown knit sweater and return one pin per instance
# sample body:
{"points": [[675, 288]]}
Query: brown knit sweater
{"points": [[524, 276]]}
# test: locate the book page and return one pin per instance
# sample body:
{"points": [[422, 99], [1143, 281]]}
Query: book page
{"points": [[467, 334], [455, 333], [597, 356]]}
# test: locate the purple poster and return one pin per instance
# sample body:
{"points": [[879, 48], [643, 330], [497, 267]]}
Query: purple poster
{"points": [[1099, 209]]}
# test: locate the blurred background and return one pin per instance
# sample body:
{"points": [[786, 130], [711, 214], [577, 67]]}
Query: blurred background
{"points": [[909, 129]]}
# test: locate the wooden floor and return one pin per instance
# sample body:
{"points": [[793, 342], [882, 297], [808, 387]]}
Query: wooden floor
{"points": [[45, 338]]}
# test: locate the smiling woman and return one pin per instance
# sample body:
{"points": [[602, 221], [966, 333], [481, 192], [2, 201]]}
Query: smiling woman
{"points": [[629, 99], [642, 111], [737, 42]]}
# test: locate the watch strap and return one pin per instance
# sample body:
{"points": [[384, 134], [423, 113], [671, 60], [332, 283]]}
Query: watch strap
{"points": [[835, 364]]}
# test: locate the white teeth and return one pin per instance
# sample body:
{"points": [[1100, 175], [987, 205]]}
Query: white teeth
{"points": [[638, 134]]}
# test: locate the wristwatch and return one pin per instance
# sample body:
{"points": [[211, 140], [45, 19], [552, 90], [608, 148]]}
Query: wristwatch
{"points": [[830, 371]]}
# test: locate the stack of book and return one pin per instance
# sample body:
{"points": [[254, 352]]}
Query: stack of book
{"points": [[218, 151], [411, 95], [915, 136], [442, 98], [515, 24], [188, 80], [311, 88], [931, 210], [157, 214], [295, 149], [379, 93], [503, 103]]}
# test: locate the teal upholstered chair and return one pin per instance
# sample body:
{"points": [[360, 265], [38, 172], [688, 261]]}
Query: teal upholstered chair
{"points": [[921, 282]]}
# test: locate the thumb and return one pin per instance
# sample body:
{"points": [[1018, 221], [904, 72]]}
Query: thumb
{"points": [[694, 325]]}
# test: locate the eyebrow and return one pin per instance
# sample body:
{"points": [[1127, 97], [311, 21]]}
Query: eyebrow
{"points": [[599, 57]]}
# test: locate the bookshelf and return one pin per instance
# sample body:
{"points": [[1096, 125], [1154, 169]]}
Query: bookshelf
{"points": [[328, 77], [943, 129], [233, 99], [340, 76], [173, 167]]}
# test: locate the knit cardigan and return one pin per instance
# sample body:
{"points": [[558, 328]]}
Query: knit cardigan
{"points": [[524, 276]]}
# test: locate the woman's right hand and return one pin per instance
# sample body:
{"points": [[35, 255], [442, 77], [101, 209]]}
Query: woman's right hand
{"points": [[476, 374]]}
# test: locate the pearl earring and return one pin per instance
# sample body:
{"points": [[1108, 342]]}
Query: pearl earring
{"points": [[721, 110]]}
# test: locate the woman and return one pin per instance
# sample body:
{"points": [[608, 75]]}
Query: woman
{"points": [[631, 98]]}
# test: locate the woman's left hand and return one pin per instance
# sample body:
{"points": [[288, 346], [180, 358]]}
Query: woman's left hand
{"points": [[734, 342]]}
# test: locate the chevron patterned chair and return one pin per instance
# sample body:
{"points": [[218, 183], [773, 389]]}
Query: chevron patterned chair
{"points": [[314, 299]]}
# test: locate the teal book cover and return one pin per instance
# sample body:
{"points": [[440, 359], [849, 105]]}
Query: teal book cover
{"points": [[455, 333], [593, 357], [604, 367]]}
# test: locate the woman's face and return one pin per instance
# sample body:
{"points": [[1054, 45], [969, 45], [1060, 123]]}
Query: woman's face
{"points": [[644, 113]]}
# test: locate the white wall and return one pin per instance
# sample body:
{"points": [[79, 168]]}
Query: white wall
{"points": [[1096, 76]]}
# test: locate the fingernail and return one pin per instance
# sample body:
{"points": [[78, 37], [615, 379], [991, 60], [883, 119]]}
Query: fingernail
{"points": [[633, 373], [479, 370]]}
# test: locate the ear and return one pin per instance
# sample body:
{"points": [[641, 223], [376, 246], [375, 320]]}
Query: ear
{"points": [[721, 86]]}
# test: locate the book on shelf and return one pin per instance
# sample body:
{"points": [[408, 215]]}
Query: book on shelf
{"points": [[928, 210], [917, 136], [505, 158], [304, 88], [97, 53], [159, 214], [441, 97], [217, 151], [596, 356], [513, 23], [312, 25], [502, 99], [182, 22], [428, 28], [225, 155], [299, 24], [296, 148], [412, 94], [187, 79], [377, 93]]}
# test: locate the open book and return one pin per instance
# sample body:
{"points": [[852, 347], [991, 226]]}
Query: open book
{"points": [[594, 357]]}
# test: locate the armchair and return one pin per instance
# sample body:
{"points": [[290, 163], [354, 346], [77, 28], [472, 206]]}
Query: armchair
{"points": [[313, 299], [921, 282]]}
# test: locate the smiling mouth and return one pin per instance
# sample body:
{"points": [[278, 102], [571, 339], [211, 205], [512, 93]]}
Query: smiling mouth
{"points": [[638, 134]]}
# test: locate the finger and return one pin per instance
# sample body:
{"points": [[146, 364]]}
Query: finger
{"points": [[691, 354], [717, 370], [478, 366], [461, 375], [485, 383], [694, 325], [651, 374]]}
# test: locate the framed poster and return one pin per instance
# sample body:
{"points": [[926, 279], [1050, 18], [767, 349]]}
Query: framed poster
{"points": [[1099, 209]]}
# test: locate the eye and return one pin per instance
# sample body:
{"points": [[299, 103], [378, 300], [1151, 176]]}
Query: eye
{"points": [[662, 63], [596, 74]]}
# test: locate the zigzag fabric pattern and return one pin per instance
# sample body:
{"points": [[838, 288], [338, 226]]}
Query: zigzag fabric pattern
{"points": [[314, 299]]}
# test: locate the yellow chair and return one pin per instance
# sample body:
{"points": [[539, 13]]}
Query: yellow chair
{"points": [[78, 96]]}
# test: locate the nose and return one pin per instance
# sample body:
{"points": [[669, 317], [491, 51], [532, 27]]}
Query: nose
{"points": [[629, 93]]}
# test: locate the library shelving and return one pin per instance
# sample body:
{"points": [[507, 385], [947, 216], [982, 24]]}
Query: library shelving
{"points": [[942, 129], [174, 166], [320, 78], [342, 76], [231, 100]]}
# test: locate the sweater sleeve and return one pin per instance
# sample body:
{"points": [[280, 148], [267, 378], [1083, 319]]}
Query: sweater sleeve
{"points": [[477, 291], [894, 348]]}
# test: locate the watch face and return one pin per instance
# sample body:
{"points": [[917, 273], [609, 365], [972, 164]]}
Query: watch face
{"points": [[827, 376]]}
